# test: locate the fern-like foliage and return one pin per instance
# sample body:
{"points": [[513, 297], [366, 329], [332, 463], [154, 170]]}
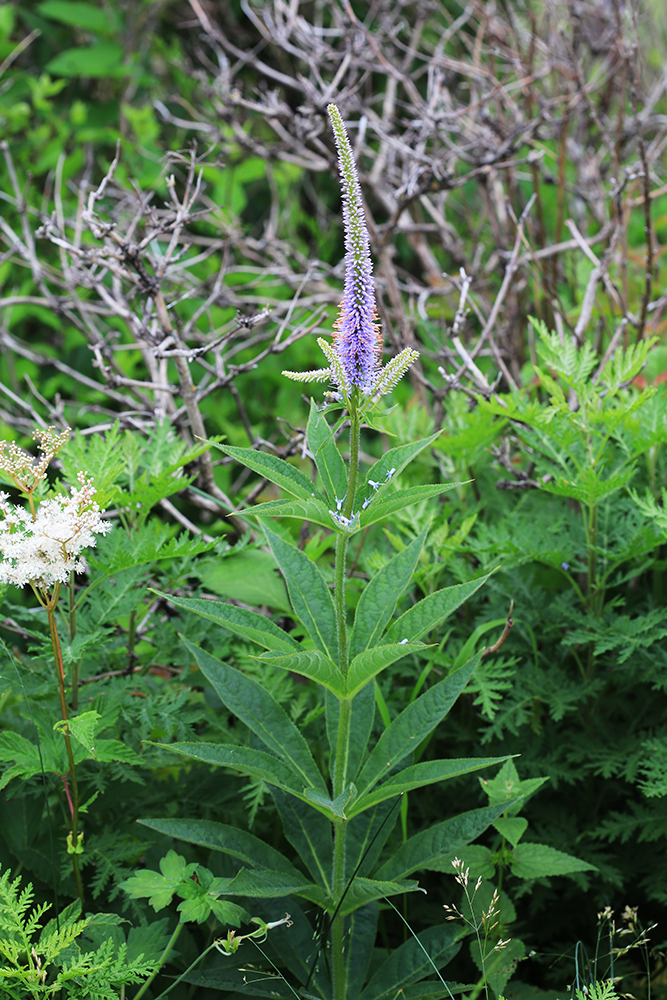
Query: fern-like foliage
{"points": [[36, 961]]}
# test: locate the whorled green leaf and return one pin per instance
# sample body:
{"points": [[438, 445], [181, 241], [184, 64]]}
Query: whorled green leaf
{"points": [[309, 663], [303, 510], [388, 467], [309, 593], [413, 960], [371, 662], [367, 890], [254, 706], [427, 772], [309, 832], [241, 621], [419, 851], [414, 724], [263, 884], [389, 503], [275, 469], [431, 611], [378, 600], [239, 844], [328, 459], [253, 763]]}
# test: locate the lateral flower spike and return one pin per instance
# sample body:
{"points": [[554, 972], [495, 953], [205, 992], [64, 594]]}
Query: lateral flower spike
{"points": [[356, 351]]}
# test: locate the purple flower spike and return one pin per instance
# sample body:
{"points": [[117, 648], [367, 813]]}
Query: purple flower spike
{"points": [[357, 340]]}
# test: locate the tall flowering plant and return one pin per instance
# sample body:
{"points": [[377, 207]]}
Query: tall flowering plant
{"points": [[337, 815], [40, 547]]}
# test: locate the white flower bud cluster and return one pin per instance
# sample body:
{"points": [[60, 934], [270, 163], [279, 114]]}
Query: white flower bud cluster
{"points": [[43, 550]]}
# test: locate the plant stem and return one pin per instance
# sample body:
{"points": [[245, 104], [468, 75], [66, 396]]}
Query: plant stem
{"points": [[72, 635], [74, 800], [163, 958], [345, 714]]}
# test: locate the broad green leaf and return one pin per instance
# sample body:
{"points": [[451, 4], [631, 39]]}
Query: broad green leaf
{"points": [[109, 750], [230, 840], [370, 663], [275, 469], [266, 884], [254, 706], [413, 960], [309, 832], [414, 724], [104, 59], [388, 467], [84, 16], [254, 763], [377, 602], [540, 861], [427, 772], [512, 828], [309, 663], [159, 888], [328, 459], [240, 621], [304, 510], [432, 611], [441, 839], [309, 593], [237, 982], [507, 785], [250, 576], [389, 503], [82, 728]]}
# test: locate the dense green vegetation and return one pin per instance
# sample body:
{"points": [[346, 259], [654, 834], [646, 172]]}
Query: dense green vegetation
{"points": [[171, 241]]}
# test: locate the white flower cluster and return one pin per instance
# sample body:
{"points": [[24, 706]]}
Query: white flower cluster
{"points": [[43, 551]]}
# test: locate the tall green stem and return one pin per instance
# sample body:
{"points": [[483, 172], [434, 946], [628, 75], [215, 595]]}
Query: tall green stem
{"points": [[163, 958], [74, 798], [344, 715], [72, 636]]}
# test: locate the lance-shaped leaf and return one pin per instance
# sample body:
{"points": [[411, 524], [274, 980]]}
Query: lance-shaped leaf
{"points": [[389, 503], [379, 598], [444, 838], [304, 510], [275, 469], [431, 611], [413, 960], [427, 772], [240, 621], [370, 663], [254, 763], [254, 706], [308, 591], [366, 890], [389, 466], [230, 840], [414, 724], [363, 931], [264, 884], [309, 663], [328, 459]]}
